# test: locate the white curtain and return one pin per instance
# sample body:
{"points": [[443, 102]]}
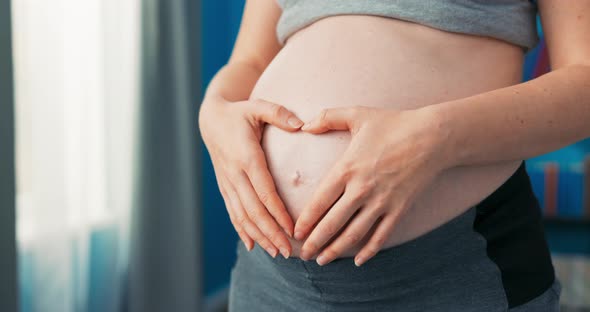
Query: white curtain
{"points": [[76, 91]]}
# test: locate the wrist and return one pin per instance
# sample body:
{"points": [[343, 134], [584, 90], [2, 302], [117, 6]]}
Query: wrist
{"points": [[440, 126], [209, 111]]}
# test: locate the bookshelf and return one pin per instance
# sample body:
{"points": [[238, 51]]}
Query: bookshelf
{"points": [[561, 182]]}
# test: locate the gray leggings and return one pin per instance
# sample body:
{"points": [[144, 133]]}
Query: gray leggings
{"points": [[446, 269]]}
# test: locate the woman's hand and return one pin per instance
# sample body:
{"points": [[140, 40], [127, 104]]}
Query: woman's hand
{"points": [[232, 132], [393, 156]]}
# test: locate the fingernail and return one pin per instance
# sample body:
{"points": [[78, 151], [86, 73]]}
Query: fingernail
{"points": [[294, 122], [321, 260], [285, 252], [358, 261], [247, 247], [272, 252], [305, 127], [298, 235]]}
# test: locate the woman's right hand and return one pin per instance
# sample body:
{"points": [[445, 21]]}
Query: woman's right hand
{"points": [[232, 132]]}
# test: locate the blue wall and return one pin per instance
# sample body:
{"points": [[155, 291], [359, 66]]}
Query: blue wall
{"points": [[220, 24]]}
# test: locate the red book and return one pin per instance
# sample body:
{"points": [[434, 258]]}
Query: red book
{"points": [[551, 180]]}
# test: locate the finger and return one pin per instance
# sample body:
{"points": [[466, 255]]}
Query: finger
{"points": [[331, 224], [241, 218], [377, 239], [259, 215], [264, 186], [275, 114], [247, 240], [222, 183], [332, 119], [331, 187], [353, 234]]}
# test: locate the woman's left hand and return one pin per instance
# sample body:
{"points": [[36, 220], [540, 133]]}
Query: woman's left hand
{"points": [[393, 156]]}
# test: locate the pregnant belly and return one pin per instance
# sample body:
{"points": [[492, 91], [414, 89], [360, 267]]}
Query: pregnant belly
{"points": [[373, 61]]}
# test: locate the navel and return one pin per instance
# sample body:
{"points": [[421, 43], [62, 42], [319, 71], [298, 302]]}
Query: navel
{"points": [[296, 178]]}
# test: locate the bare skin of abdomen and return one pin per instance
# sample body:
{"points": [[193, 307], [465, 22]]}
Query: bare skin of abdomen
{"points": [[373, 61]]}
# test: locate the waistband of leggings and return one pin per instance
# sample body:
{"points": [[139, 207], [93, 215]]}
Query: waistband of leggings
{"points": [[427, 248]]}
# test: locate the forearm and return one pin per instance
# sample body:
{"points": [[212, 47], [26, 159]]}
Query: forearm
{"points": [[233, 82], [517, 122]]}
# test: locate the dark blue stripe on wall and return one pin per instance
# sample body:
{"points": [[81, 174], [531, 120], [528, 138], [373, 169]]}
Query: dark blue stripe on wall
{"points": [[220, 24]]}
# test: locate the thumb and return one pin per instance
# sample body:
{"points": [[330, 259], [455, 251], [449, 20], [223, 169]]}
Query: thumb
{"points": [[332, 119], [276, 115]]}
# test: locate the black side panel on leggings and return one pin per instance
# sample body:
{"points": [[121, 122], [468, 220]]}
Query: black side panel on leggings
{"points": [[511, 222]]}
